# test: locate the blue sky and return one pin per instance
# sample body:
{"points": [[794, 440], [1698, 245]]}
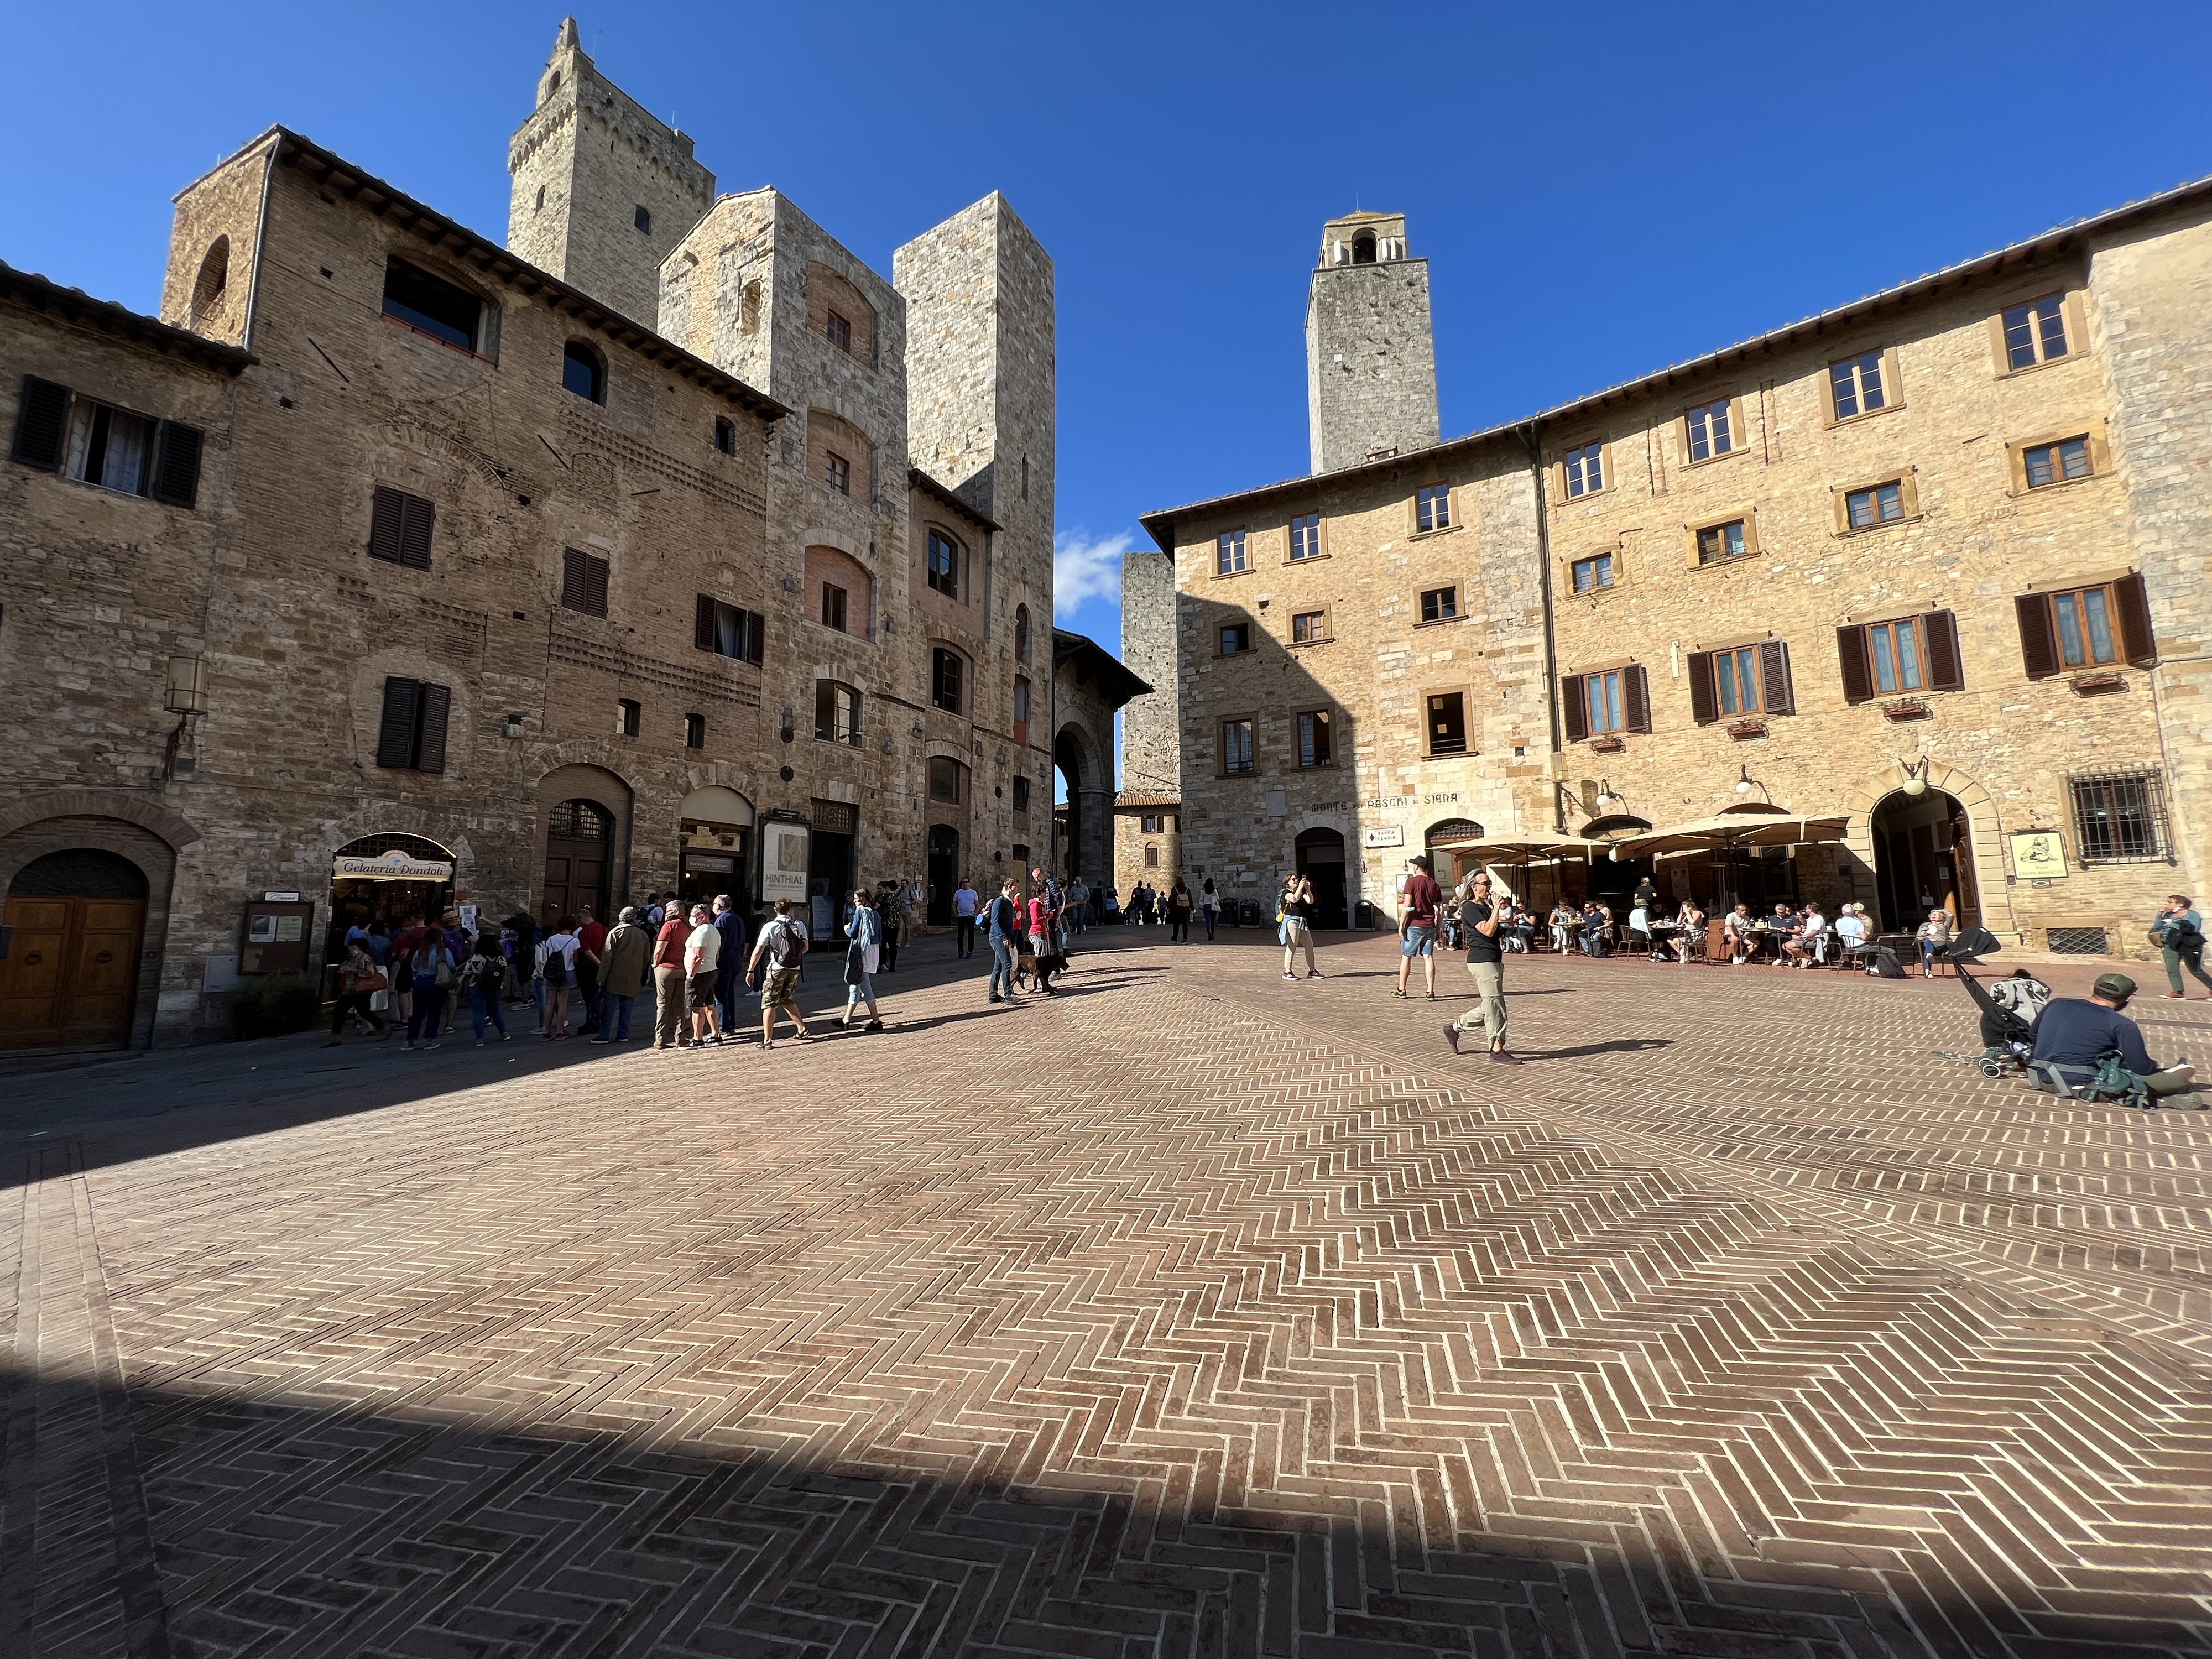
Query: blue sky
{"points": [[1600, 190]]}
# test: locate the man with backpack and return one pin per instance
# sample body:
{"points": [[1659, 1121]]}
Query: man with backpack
{"points": [[2178, 933], [776, 956], [2076, 1037]]}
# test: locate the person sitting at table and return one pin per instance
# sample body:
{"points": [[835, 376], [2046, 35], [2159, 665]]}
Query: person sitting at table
{"points": [[1690, 938], [1934, 937], [1597, 929], [1741, 930], [1780, 927], [1564, 920], [1639, 928], [1852, 931], [1804, 949], [1524, 929]]}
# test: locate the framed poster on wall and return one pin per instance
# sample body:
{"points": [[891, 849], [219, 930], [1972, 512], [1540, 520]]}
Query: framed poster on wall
{"points": [[2038, 854], [783, 861]]}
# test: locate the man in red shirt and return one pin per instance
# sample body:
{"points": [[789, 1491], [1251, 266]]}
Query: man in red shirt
{"points": [[1417, 927], [591, 946], [668, 986]]}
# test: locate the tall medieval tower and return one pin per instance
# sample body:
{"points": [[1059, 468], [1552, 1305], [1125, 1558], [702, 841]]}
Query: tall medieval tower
{"points": [[1371, 353], [602, 191]]}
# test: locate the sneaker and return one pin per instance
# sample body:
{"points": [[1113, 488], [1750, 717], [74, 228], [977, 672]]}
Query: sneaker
{"points": [[601, 1042], [1399, 996], [1451, 1036], [2171, 996], [1504, 1058], [1313, 975], [1293, 978], [873, 1026], [994, 997]]}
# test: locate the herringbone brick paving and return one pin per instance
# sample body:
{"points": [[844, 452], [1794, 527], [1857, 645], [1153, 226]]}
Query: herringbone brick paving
{"points": [[1193, 1312]]}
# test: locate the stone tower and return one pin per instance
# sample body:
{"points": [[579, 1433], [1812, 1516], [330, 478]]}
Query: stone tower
{"points": [[602, 191], [1370, 353], [1152, 737]]}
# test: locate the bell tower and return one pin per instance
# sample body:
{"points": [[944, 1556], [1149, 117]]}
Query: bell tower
{"points": [[1371, 352]]}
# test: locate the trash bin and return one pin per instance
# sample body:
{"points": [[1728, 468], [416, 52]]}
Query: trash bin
{"points": [[1363, 917]]}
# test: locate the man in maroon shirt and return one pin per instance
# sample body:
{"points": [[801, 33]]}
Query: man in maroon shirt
{"points": [[1417, 928], [669, 985], [591, 946]]}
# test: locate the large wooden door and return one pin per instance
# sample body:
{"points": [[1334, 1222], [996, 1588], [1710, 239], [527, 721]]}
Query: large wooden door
{"points": [[72, 973], [578, 837]]}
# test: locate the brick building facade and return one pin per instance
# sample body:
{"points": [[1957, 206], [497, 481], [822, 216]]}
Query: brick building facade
{"points": [[1934, 560]]}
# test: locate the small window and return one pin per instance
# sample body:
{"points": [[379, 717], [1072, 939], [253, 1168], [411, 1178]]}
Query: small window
{"points": [[839, 331], [1021, 798], [944, 780], [1432, 507], [1855, 385], [1316, 738], [2035, 332], [431, 305], [1305, 536], [1895, 657], [1736, 681], [1447, 723], [1229, 554], [583, 582], [411, 735], [837, 472], [946, 673], [1236, 637], [630, 717], [399, 526], [1585, 470], [1021, 633], [538, 206], [1236, 747], [944, 573], [2119, 818], [1149, 824], [1602, 702], [110, 448], [729, 631], [1707, 428], [1440, 604], [1881, 504], [2049, 463], [2084, 620], [836, 712], [832, 607], [695, 731], [642, 218], [583, 371], [1021, 710], [1151, 858], [1308, 626], [1719, 543], [725, 435], [1593, 573]]}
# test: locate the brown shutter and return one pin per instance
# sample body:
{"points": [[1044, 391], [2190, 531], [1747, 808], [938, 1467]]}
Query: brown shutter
{"points": [[595, 585], [1939, 631], [1636, 698], [395, 731], [42, 424], [1851, 655], [430, 752], [756, 637], [384, 517], [417, 517], [1573, 708], [1704, 706], [2138, 644], [1774, 678], [177, 473], [2039, 637], [572, 580], [703, 624]]}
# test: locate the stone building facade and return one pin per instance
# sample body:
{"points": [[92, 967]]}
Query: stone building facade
{"points": [[1932, 561]]}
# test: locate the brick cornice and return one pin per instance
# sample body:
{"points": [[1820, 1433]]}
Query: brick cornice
{"points": [[123, 804]]}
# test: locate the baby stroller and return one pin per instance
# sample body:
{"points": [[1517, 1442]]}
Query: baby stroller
{"points": [[2008, 1007]]}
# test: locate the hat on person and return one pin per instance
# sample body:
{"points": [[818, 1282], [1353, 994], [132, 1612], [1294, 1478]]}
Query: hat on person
{"points": [[2118, 986]]}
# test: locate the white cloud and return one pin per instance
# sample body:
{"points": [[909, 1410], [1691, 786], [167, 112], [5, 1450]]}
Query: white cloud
{"points": [[1084, 569]]}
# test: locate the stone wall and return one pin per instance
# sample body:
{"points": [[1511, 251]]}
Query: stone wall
{"points": [[1151, 757]]}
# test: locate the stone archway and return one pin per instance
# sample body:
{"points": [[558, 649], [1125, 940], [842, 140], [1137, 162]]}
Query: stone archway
{"points": [[1984, 836], [1088, 850]]}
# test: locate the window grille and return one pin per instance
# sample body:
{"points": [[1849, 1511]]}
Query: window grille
{"points": [[2119, 816], [2078, 942]]}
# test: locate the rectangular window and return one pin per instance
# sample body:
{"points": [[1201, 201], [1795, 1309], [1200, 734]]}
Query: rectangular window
{"points": [[1894, 652], [1306, 626], [1606, 702], [695, 731], [1602, 702], [944, 780], [1439, 605], [630, 717], [725, 436], [110, 448], [411, 735], [1854, 384], [1909, 653], [431, 305], [1021, 798], [947, 673], [1229, 554], [642, 218], [944, 565], [1585, 470], [1719, 543], [1447, 723], [1432, 507], [839, 331], [1235, 637], [836, 712], [1707, 428], [1236, 747], [1736, 681], [1021, 710], [57, 431], [399, 527], [837, 472], [2119, 816], [583, 582], [1316, 738], [1593, 573], [2087, 638], [832, 607], [1149, 824], [728, 631], [2051, 464], [1880, 504], [2035, 332], [1305, 536]]}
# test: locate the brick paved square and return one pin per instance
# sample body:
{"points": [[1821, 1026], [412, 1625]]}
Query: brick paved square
{"points": [[1190, 1312]]}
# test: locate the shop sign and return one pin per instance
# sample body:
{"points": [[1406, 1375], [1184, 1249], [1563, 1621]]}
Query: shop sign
{"points": [[1382, 835], [394, 865], [280, 898], [783, 860], [2038, 854]]}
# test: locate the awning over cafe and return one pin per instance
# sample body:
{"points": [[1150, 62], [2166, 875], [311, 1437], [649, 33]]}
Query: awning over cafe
{"points": [[1728, 830]]}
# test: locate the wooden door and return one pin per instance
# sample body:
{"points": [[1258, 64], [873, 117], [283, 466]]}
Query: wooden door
{"points": [[580, 835], [71, 974]]}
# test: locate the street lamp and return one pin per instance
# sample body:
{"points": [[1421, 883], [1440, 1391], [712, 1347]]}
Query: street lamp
{"points": [[1916, 777], [1743, 784]]}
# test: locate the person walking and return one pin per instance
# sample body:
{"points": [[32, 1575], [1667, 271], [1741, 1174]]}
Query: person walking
{"points": [[966, 903], [622, 974], [1209, 905], [2178, 933], [703, 971], [359, 981], [668, 984], [1179, 905], [1040, 925], [732, 975], [1079, 906], [1003, 927], [1479, 914], [1297, 927], [482, 975], [556, 966], [1417, 928], [432, 968], [776, 956], [891, 919], [864, 936]]}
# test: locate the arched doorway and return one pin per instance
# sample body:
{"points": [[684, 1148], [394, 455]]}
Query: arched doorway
{"points": [[387, 881], [1320, 855], [579, 844], [1069, 846], [1449, 867], [70, 978], [1923, 859], [944, 873], [716, 824]]}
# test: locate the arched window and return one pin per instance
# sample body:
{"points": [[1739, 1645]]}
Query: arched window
{"points": [[215, 279], [948, 780], [1021, 633], [584, 372], [836, 712], [1363, 248], [580, 820]]}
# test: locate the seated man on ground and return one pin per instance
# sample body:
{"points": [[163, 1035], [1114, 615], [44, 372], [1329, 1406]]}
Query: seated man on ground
{"points": [[2077, 1034]]}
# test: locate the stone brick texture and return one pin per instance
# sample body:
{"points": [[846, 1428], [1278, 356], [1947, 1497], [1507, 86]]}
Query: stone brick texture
{"points": [[1371, 353]]}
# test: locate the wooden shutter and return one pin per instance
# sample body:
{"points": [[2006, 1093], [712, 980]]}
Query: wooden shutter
{"points": [[430, 750], [572, 580], [1774, 678], [1851, 657], [1704, 705], [2039, 636], [395, 732], [1939, 634], [584, 585], [2138, 644], [385, 515], [42, 424], [595, 585], [754, 634], [177, 472], [703, 624], [1573, 708], [1636, 698], [417, 516]]}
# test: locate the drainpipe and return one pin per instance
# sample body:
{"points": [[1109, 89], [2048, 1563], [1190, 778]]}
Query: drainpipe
{"points": [[1531, 434]]}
